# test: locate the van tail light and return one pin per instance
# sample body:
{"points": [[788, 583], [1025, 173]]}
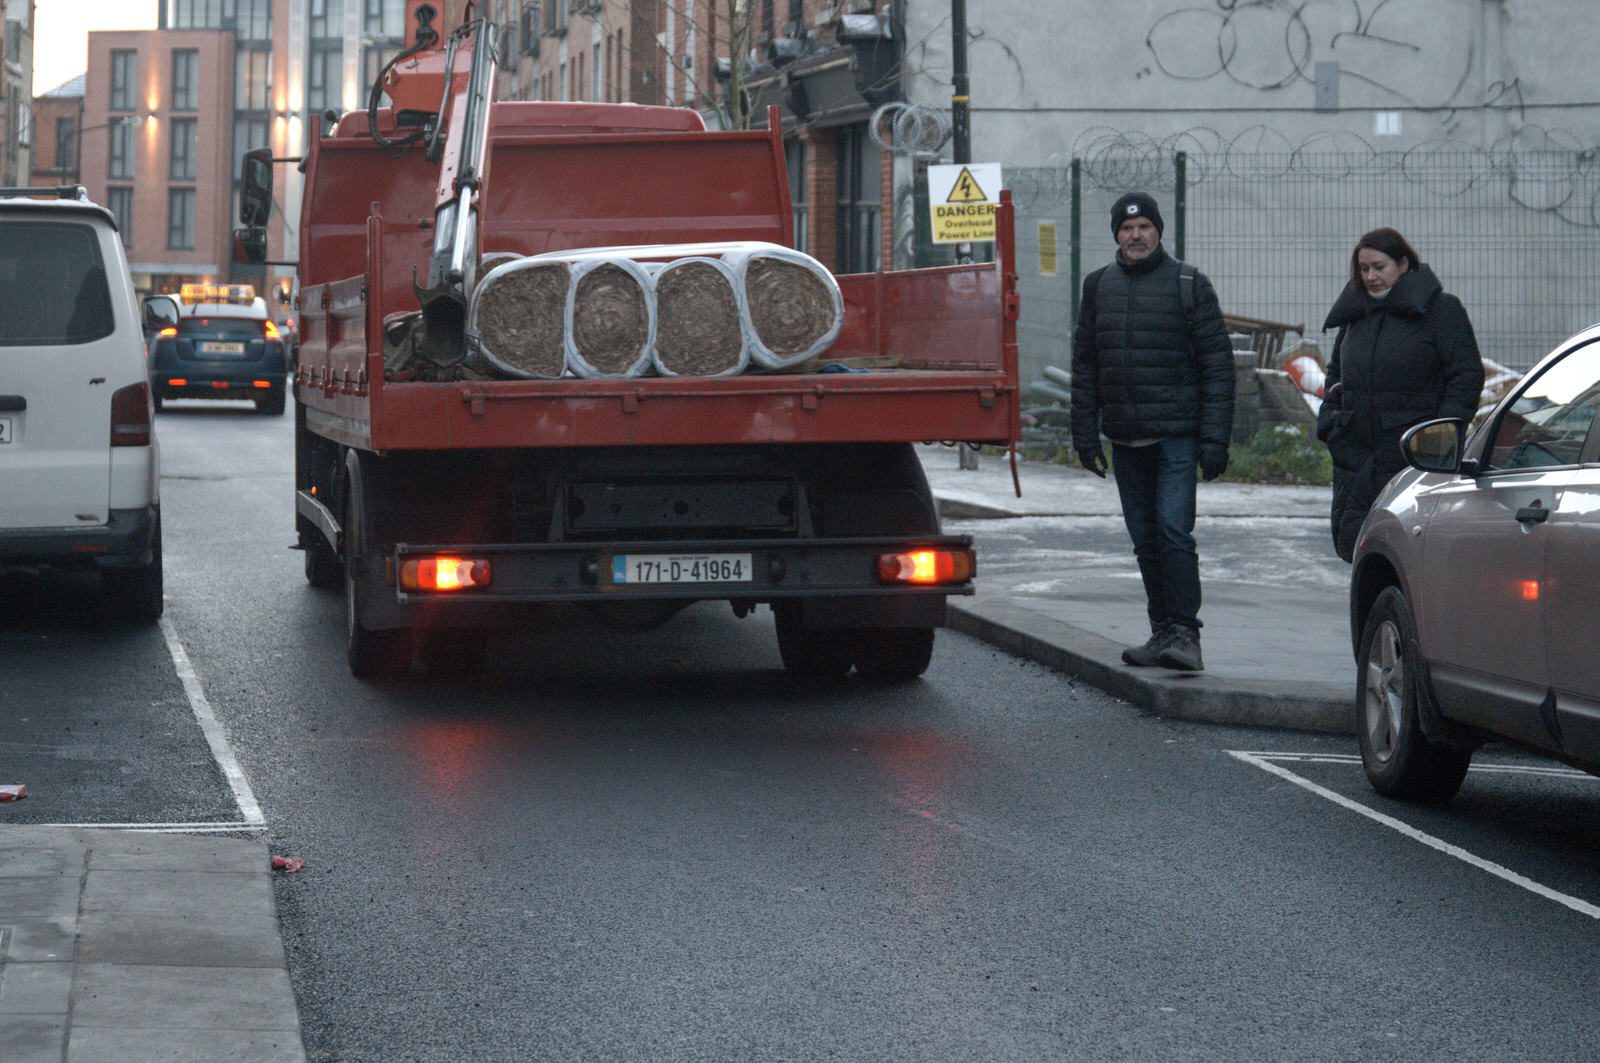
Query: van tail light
{"points": [[941, 565], [444, 573], [130, 416], [270, 329]]}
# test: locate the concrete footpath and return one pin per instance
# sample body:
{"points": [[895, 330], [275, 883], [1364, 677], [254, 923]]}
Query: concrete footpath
{"points": [[1276, 656], [132, 946]]}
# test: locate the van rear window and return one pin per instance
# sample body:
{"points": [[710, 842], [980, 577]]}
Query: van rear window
{"points": [[53, 289]]}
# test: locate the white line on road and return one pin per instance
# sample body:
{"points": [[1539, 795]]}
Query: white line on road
{"points": [[162, 828], [216, 734], [1260, 760], [1486, 768]]}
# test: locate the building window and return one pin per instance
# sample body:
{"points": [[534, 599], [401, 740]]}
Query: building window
{"points": [[324, 75], [185, 79], [796, 150], [860, 196], [183, 145], [327, 18], [121, 150], [248, 133], [120, 202], [124, 67], [253, 20], [196, 14], [66, 135], [252, 89], [180, 219], [385, 18]]}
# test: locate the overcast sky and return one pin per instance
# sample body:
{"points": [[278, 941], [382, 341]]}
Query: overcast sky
{"points": [[61, 37]]}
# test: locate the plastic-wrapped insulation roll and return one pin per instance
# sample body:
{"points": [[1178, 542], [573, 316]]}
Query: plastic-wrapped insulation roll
{"points": [[699, 331], [610, 318], [793, 307], [518, 317], [494, 259]]}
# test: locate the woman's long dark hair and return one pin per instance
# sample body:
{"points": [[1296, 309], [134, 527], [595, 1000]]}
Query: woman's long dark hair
{"points": [[1385, 241]]}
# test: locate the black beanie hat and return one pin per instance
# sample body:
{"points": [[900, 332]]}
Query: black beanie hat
{"points": [[1135, 205]]}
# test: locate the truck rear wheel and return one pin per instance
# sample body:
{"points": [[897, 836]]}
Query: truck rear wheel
{"points": [[821, 653], [894, 652], [371, 652]]}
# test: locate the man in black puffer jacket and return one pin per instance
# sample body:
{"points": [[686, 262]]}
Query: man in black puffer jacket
{"points": [[1152, 369]]}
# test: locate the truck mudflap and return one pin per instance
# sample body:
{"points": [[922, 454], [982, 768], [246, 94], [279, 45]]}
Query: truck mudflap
{"points": [[708, 569]]}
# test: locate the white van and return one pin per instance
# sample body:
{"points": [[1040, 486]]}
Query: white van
{"points": [[79, 465]]}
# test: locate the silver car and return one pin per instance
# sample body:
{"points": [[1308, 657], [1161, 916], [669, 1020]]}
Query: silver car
{"points": [[1474, 598]]}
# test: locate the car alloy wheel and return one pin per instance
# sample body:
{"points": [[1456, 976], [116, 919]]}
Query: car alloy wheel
{"points": [[1383, 690]]}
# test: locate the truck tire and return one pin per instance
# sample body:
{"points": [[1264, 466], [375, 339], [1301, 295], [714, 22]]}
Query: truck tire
{"points": [[894, 653], [1399, 759], [371, 653], [133, 595], [818, 653]]}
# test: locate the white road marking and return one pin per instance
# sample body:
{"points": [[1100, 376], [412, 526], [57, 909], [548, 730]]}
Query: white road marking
{"points": [[1485, 768], [1260, 760], [211, 727], [163, 828]]}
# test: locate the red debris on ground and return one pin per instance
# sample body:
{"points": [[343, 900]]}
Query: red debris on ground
{"points": [[287, 864], [13, 791]]}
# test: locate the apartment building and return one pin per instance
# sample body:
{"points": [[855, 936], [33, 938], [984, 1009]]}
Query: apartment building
{"points": [[16, 91]]}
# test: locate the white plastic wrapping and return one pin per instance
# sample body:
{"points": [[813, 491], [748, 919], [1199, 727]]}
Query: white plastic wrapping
{"points": [[517, 318]]}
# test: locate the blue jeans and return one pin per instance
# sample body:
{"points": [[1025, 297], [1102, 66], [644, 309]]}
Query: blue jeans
{"points": [[1156, 483]]}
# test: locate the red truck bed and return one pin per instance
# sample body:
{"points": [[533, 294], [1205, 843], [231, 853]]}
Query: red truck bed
{"points": [[948, 333]]}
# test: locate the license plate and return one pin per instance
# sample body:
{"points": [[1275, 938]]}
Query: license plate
{"points": [[5, 429], [214, 347], [631, 569]]}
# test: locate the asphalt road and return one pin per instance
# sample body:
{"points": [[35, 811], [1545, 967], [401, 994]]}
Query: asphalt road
{"points": [[657, 846]]}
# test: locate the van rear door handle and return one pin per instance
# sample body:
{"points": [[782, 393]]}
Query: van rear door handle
{"points": [[12, 404], [1536, 514]]}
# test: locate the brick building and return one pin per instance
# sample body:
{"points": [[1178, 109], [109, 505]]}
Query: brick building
{"points": [[16, 90], [57, 117]]}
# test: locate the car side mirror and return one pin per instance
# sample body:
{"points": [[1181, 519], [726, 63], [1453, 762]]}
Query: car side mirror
{"points": [[1435, 446], [159, 312], [250, 246], [255, 188]]}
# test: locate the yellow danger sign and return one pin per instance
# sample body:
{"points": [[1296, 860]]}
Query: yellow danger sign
{"points": [[961, 201]]}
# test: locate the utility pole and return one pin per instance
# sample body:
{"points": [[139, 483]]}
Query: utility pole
{"points": [[961, 128]]}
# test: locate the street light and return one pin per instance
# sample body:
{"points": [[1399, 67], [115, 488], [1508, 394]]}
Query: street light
{"points": [[132, 120]]}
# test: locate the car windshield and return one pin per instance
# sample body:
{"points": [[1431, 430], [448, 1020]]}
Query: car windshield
{"points": [[58, 265], [226, 326]]}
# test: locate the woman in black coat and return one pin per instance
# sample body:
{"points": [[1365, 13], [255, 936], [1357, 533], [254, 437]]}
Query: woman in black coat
{"points": [[1405, 353]]}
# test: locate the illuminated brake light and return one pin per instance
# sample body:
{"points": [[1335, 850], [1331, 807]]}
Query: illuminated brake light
{"points": [[130, 416], [178, 381], [261, 383], [1530, 590], [272, 330], [168, 331], [927, 566], [444, 573]]}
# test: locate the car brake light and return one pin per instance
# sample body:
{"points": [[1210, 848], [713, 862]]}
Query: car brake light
{"points": [[927, 566], [444, 573], [178, 381], [271, 330], [168, 331], [130, 416], [261, 383]]}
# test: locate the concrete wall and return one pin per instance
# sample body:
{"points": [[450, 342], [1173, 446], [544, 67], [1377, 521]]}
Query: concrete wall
{"points": [[1057, 78]]}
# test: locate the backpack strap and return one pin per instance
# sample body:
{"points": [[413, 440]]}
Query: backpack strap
{"points": [[1186, 282]]}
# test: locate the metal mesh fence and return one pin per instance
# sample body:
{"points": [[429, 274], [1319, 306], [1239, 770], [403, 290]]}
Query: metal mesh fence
{"points": [[1515, 235]]}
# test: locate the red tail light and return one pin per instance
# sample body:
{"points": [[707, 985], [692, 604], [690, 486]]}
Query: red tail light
{"points": [[130, 416], [270, 329], [927, 566], [445, 573]]}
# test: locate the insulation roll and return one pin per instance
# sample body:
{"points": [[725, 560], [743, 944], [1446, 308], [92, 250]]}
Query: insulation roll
{"points": [[699, 330], [518, 317], [610, 318], [793, 307]]}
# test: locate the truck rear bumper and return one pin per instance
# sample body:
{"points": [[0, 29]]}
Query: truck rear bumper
{"points": [[836, 577]]}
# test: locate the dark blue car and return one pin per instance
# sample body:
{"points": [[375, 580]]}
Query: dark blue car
{"points": [[221, 351]]}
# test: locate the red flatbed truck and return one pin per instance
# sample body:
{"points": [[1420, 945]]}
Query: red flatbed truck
{"points": [[444, 507]]}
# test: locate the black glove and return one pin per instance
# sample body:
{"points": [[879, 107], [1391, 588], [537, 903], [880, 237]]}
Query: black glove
{"points": [[1093, 459], [1213, 460]]}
